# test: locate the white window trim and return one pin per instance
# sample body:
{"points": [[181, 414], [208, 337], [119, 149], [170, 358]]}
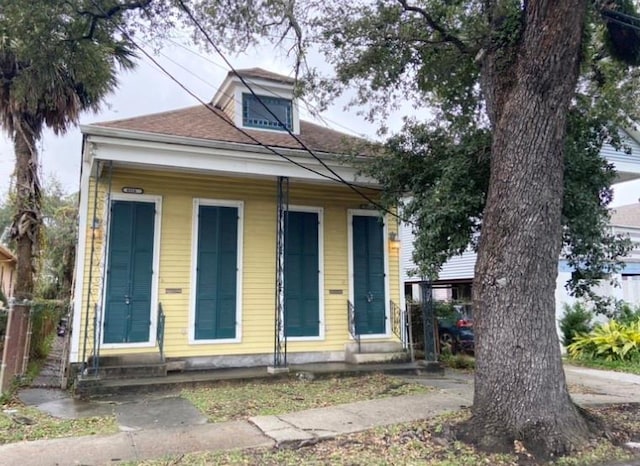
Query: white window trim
{"points": [[321, 321], [385, 244], [157, 201], [272, 92], [197, 202]]}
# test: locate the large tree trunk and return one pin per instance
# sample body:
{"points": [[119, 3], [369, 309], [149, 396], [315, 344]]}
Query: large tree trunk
{"points": [[26, 224], [520, 388]]}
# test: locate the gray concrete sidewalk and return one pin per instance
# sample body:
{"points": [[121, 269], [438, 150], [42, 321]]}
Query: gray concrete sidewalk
{"points": [[256, 432], [158, 437]]}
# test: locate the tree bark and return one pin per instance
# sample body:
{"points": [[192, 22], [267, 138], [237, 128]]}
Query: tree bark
{"points": [[26, 223], [520, 388]]}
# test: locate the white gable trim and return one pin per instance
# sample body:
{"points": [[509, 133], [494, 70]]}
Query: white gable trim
{"points": [[234, 160]]}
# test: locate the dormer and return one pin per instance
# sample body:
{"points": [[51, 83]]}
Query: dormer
{"points": [[247, 110]]}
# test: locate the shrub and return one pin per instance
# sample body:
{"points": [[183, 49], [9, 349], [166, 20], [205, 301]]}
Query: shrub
{"points": [[627, 314], [577, 320], [3, 299], [46, 314], [611, 341], [457, 361]]}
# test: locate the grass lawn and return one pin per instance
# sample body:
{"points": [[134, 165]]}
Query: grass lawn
{"points": [[418, 443], [225, 401], [220, 402], [18, 422], [620, 366]]}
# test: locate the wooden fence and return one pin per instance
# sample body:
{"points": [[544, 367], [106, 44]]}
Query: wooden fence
{"points": [[17, 338]]}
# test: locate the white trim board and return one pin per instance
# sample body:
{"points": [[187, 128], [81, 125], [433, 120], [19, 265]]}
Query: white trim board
{"points": [[78, 295]]}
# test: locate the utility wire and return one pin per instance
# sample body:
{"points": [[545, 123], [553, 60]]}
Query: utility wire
{"points": [[207, 83], [212, 109], [608, 11], [266, 89], [294, 136], [623, 23]]}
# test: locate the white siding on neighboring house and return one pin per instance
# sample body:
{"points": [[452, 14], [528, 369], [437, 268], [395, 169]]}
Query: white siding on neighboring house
{"points": [[631, 288], [626, 164], [459, 267], [406, 252], [456, 268]]}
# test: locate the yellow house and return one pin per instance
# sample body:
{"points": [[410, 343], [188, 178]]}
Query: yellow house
{"points": [[232, 235], [7, 271]]}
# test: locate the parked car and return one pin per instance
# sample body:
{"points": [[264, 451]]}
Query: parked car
{"points": [[455, 330]]}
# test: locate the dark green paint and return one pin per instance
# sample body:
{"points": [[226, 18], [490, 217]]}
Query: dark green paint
{"points": [[301, 269], [368, 275], [130, 273], [217, 267]]}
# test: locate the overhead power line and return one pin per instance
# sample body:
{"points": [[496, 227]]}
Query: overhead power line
{"points": [[353, 187], [213, 110], [270, 91]]}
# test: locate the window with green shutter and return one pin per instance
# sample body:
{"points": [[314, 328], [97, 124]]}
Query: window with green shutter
{"points": [[216, 273], [301, 275]]}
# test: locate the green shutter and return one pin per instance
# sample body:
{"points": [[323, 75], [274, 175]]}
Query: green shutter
{"points": [[217, 264], [301, 274], [368, 275], [130, 272]]}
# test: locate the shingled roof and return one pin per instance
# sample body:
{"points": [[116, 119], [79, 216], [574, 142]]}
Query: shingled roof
{"points": [[214, 125]]}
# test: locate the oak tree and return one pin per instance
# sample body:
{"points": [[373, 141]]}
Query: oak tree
{"points": [[521, 95]]}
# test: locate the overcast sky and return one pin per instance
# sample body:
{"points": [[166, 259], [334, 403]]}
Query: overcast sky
{"points": [[147, 90]]}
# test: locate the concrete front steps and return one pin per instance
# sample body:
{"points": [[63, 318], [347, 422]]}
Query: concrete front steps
{"points": [[137, 365], [367, 352]]}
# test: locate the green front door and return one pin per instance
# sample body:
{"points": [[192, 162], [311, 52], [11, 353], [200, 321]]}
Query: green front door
{"points": [[127, 316], [301, 274], [368, 275], [216, 272]]}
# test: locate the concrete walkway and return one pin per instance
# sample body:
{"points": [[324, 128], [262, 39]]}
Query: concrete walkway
{"points": [[453, 392]]}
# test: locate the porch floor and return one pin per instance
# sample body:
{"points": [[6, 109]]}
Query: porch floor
{"points": [[89, 386]]}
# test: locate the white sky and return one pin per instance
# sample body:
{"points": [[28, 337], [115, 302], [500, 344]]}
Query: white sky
{"points": [[147, 90]]}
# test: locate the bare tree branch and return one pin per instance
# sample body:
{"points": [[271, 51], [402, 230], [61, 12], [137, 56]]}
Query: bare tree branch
{"points": [[108, 14], [433, 24]]}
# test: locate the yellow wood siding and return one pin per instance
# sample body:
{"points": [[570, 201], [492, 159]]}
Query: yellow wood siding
{"points": [[178, 192]]}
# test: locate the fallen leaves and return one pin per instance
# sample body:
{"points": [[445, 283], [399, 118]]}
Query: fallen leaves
{"points": [[234, 400]]}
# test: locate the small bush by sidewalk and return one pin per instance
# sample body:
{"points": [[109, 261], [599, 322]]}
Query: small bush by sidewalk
{"points": [[576, 320]]}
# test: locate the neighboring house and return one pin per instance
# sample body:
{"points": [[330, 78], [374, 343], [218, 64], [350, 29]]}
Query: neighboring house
{"points": [[625, 220], [456, 276], [183, 212], [7, 271]]}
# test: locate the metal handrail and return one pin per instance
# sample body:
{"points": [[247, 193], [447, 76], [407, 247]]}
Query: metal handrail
{"points": [[401, 326], [351, 312], [396, 320], [160, 331]]}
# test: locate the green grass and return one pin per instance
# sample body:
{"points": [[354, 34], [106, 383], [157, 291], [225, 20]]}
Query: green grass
{"points": [[239, 400], [43, 426], [619, 366]]}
